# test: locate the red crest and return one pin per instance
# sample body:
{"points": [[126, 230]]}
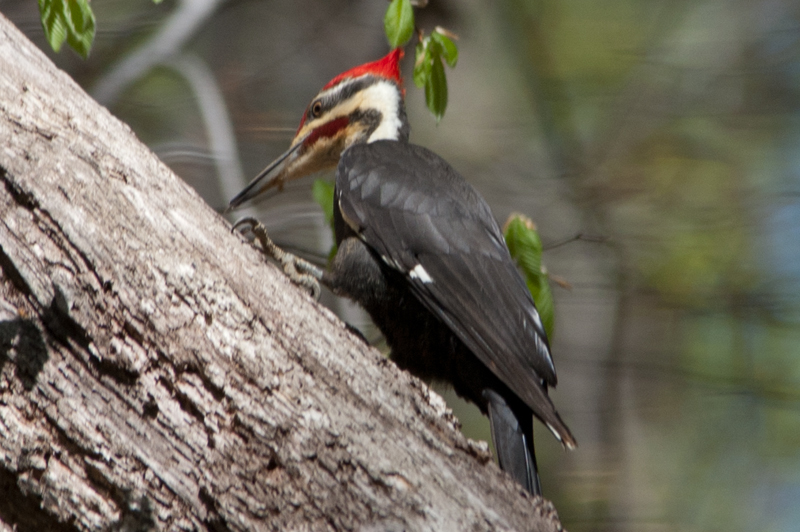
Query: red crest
{"points": [[387, 67]]}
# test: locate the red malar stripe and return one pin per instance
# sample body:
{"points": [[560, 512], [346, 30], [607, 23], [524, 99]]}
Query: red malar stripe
{"points": [[328, 129]]}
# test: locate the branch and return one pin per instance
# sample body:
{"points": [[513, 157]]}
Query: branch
{"points": [[219, 129], [168, 41]]}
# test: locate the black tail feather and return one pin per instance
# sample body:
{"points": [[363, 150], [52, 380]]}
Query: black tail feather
{"points": [[512, 434]]}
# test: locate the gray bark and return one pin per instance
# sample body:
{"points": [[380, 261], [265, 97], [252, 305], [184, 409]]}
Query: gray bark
{"points": [[157, 373]]}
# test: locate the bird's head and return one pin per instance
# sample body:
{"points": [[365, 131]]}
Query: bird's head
{"points": [[361, 105]]}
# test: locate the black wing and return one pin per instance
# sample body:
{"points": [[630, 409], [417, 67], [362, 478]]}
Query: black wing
{"points": [[425, 220]]}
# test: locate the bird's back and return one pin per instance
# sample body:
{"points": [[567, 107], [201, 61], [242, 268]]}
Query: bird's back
{"points": [[436, 237]]}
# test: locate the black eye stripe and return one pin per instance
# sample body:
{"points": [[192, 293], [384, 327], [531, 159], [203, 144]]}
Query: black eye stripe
{"points": [[347, 90]]}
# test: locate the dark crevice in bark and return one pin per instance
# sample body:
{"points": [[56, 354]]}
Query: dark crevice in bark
{"points": [[69, 444], [136, 511], [20, 196], [50, 227], [109, 368], [216, 523], [186, 403], [150, 408], [192, 369], [135, 334], [47, 224], [22, 343], [11, 272], [137, 515], [242, 430], [60, 324], [23, 512]]}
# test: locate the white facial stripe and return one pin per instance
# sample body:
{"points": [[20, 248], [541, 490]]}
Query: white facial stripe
{"points": [[383, 96], [419, 273], [329, 94]]}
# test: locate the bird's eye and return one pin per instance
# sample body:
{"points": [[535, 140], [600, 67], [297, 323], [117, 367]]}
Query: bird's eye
{"points": [[316, 109]]}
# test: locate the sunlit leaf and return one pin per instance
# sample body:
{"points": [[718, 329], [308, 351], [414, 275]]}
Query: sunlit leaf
{"points": [[68, 20], [398, 23], [429, 70], [525, 246], [82, 27], [422, 64], [524, 243], [55, 29], [448, 48], [436, 89]]}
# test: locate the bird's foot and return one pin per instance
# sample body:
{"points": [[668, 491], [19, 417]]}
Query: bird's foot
{"points": [[299, 271]]}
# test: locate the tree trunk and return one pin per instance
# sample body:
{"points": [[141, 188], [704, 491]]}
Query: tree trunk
{"points": [[156, 373]]}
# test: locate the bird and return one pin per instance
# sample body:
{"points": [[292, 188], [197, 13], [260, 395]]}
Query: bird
{"points": [[420, 250]]}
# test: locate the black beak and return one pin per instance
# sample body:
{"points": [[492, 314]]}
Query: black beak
{"points": [[272, 175]]}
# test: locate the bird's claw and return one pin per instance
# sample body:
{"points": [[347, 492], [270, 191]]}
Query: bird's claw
{"points": [[299, 271], [247, 220]]}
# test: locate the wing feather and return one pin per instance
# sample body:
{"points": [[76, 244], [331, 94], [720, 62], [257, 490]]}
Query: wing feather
{"points": [[412, 208]]}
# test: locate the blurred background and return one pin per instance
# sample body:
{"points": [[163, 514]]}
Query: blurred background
{"points": [[669, 127]]}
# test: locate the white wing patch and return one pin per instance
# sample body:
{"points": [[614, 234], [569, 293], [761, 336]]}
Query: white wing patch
{"points": [[538, 320], [418, 272]]}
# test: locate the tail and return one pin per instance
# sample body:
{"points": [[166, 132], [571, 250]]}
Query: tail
{"points": [[512, 434]]}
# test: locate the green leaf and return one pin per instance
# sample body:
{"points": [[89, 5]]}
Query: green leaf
{"points": [[157, 1], [525, 246], [398, 23], [55, 29], [68, 20], [436, 89], [422, 64], [322, 190], [524, 243], [82, 28], [429, 70], [448, 48]]}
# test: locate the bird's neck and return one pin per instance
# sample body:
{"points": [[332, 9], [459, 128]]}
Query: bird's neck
{"points": [[385, 113]]}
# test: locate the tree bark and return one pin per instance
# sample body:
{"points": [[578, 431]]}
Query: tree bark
{"points": [[157, 373]]}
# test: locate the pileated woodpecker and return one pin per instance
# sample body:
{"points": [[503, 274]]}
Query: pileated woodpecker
{"points": [[419, 249]]}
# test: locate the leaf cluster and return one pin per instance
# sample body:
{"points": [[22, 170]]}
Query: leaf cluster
{"points": [[71, 21], [431, 53], [68, 20], [429, 70]]}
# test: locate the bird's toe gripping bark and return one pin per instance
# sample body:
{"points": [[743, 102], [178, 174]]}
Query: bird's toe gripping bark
{"points": [[299, 271]]}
